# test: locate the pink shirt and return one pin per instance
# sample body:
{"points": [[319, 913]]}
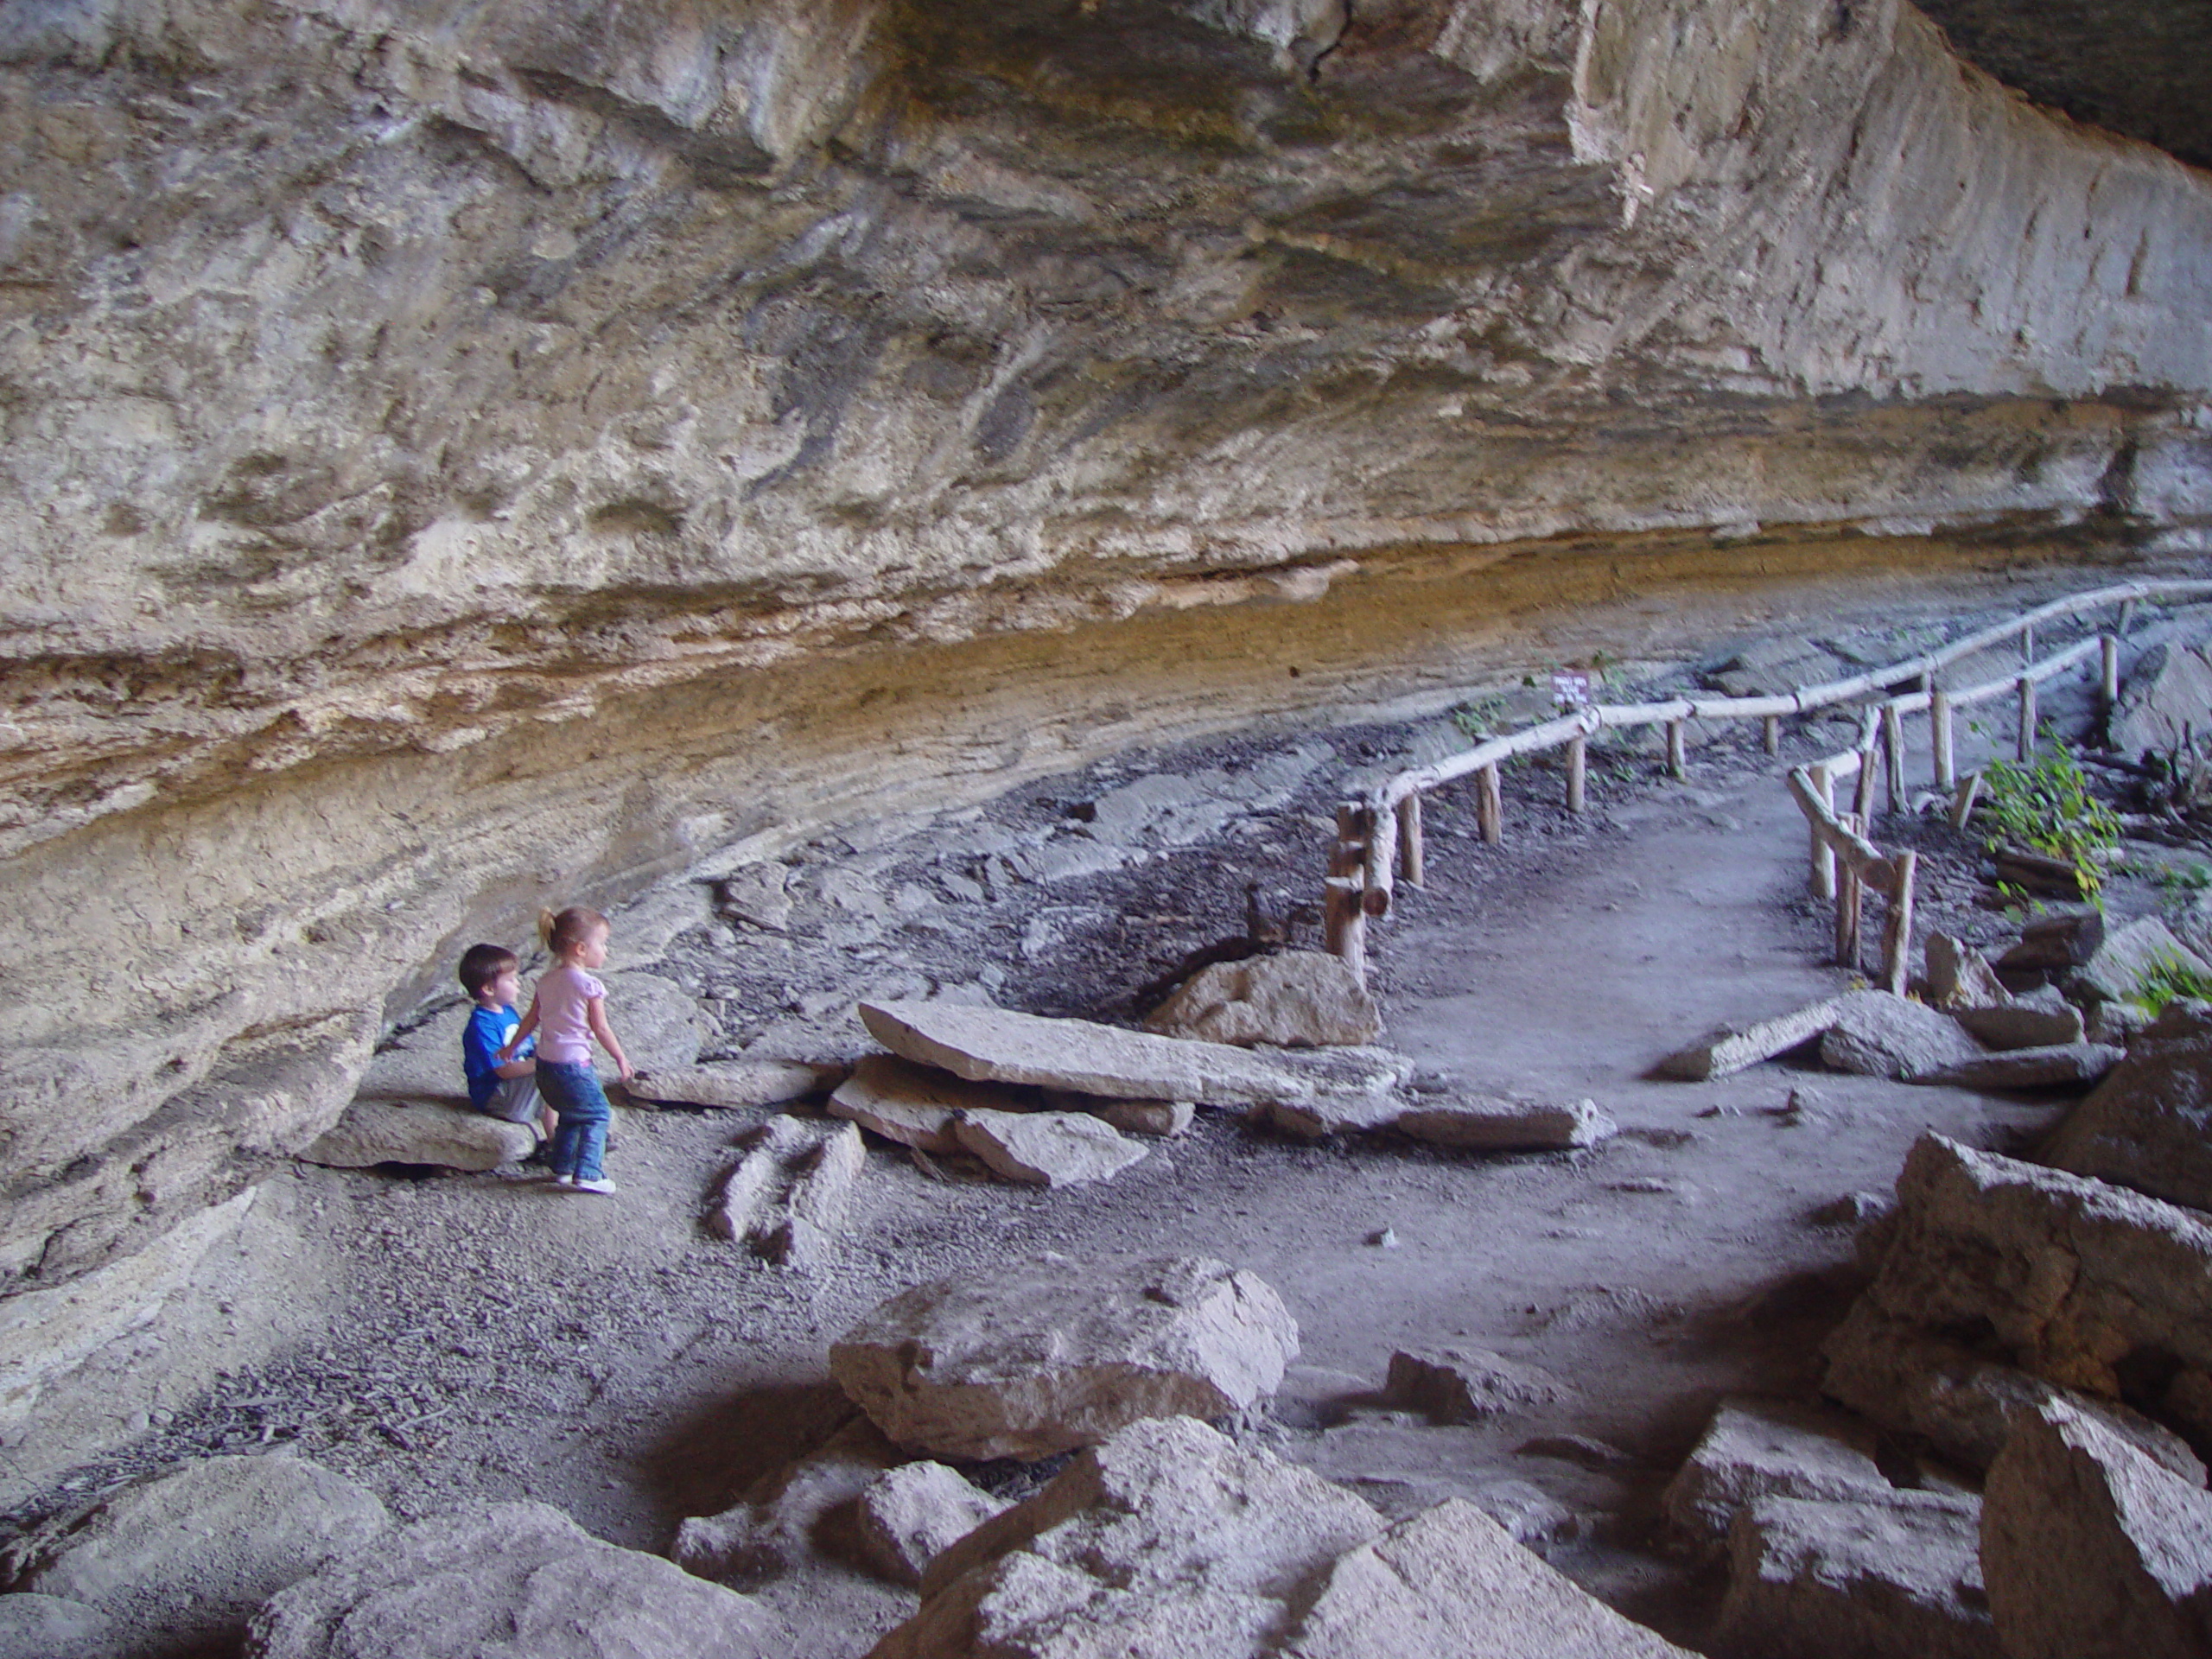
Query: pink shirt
{"points": [[564, 999]]}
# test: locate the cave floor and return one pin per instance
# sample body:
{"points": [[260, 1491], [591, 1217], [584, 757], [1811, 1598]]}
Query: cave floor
{"points": [[484, 1336]]}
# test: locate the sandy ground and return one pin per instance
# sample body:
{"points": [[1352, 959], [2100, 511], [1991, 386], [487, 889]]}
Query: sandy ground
{"points": [[489, 1336]]}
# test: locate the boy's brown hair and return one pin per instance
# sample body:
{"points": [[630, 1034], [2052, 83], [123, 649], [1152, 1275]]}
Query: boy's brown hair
{"points": [[482, 963]]}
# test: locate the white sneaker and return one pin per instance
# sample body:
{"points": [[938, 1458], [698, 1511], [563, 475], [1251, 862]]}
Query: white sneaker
{"points": [[562, 1180], [601, 1185]]}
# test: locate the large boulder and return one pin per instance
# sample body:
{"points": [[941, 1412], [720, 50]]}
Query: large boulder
{"points": [[1293, 999], [185, 1557], [1770, 1448], [2069, 1275], [1959, 977], [1879, 1035], [2149, 1124], [910, 1515], [1048, 1356], [419, 1132], [1918, 1383], [995, 1045], [2040, 1021], [2060, 1065], [2093, 1551], [782, 1522], [1886, 1573], [507, 1581], [2128, 958], [1464, 1385], [1168, 1539], [2168, 691]]}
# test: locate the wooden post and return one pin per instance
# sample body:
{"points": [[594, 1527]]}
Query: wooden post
{"points": [[1963, 798], [2028, 645], [1823, 877], [2027, 735], [1846, 913], [1344, 924], [2108, 672], [1893, 755], [2126, 616], [1897, 935], [1938, 738], [1410, 857], [1771, 732], [1674, 761], [1489, 804], [1862, 793], [1578, 769]]}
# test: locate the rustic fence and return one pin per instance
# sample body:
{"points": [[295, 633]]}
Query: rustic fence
{"points": [[1380, 833]]}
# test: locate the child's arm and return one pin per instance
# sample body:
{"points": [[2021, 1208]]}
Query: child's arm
{"points": [[597, 1010], [506, 1050], [522, 1068]]}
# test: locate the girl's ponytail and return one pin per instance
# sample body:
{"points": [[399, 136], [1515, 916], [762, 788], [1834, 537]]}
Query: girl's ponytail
{"points": [[547, 923]]}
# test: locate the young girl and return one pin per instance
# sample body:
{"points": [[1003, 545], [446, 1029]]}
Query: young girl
{"points": [[568, 1012]]}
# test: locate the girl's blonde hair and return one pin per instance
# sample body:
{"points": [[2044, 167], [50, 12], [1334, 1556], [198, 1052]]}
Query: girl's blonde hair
{"points": [[564, 931]]}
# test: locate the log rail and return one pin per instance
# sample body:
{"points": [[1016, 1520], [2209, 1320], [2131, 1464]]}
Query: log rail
{"points": [[1380, 833]]}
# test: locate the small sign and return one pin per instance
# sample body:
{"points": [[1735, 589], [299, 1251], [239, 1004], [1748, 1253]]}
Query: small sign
{"points": [[1571, 686]]}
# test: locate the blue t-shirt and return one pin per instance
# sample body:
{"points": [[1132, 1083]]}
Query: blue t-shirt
{"points": [[487, 1034]]}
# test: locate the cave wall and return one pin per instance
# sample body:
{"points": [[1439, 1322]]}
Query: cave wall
{"points": [[461, 456]]}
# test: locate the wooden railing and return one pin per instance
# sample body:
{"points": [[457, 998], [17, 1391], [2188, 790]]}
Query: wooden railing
{"points": [[1380, 832]]}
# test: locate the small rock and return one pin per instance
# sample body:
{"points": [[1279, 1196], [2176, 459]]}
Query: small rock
{"points": [[1042, 1357], [1852, 1210], [1466, 1385], [1762, 1448], [2091, 1550], [1529, 1515], [507, 1579], [779, 1527], [188, 1556], [1385, 1238], [1883, 1572], [1959, 977], [2063, 1065], [2043, 1021], [912, 1514], [1733, 1048], [1879, 1035], [1292, 998], [1047, 1148], [383, 1132], [1501, 1125], [2059, 939]]}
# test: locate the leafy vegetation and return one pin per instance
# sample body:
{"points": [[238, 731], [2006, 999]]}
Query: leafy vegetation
{"points": [[2169, 979], [2046, 806]]}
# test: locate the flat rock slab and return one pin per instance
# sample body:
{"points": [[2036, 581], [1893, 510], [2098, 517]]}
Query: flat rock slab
{"points": [[1293, 999], [912, 1515], [787, 1197], [2090, 1548], [2123, 959], [1047, 1148], [1770, 1448], [1733, 1048], [1049, 1354], [2149, 1125], [508, 1582], [992, 1045], [423, 1132], [734, 1084], [1168, 1539], [187, 1556], [915, 1105], [1879, 1035], [1503, 1125], [1887, 1572], [1158, 1118], [1466, 1385], [2061, 1065], [2045, 1020]]}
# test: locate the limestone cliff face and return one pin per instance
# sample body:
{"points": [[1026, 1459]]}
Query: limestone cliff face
{"points": [[461, 455]]}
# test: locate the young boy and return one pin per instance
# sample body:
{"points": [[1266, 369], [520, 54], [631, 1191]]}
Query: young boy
{"points": [[507, 1089]]}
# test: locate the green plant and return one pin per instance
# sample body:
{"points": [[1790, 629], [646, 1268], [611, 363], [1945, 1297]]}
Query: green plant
{"points": [[1479, 719], [2045, 806], [2169, 979], [2187, 877]]}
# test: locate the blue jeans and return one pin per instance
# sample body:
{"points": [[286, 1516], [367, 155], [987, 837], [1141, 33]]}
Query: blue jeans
{"points": [[571, 1089]]}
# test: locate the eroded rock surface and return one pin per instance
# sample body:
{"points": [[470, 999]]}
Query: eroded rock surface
{"points": [[2148, 1125], [1052, 1355], [1299, 999]]}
